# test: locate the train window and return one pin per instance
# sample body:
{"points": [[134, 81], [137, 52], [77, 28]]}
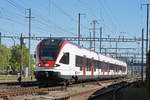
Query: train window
{"points": [[96, 64], [114, 67], [124, 69], [79, 61], [49, 49], [106, 65], [92, 65], [103, 67], [120, 67], [117, 67], [48, 53], [88, 64], [65, 58], [100, 64], [111, 67]]}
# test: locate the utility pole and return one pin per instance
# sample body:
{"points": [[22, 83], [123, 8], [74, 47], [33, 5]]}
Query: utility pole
{"points": [[94, 31], [100, 42], [0, 38], [142, 54], [116, 49], [79, 35], [147, 24], [79, 29], [147, 53], [147, 27], [29, 17], [21, 55], [90, 41]]}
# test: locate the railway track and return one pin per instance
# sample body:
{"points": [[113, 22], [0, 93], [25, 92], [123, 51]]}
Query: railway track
{"points": [[18, 90], [25, 91], [29, 83]]}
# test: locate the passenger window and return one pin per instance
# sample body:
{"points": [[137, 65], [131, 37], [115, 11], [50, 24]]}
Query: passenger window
{"points": [[65, 58]]}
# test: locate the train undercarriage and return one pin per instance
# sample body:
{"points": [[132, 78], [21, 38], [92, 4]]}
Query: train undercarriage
{"points": [[50, 77]]}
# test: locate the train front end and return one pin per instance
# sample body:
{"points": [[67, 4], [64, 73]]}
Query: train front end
{"points": [[46, 56]]}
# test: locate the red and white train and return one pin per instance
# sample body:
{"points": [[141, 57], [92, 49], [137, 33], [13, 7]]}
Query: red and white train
{"points": [[59, 60]]}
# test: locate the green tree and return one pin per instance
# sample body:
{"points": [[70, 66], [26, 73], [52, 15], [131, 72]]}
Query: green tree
{"points": [[4, 57], [16, 57]]}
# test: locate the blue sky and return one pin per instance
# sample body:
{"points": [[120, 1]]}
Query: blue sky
{"points": [[60, 17]]}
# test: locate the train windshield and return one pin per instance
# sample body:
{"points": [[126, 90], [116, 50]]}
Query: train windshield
{"points": [[49, 49]]}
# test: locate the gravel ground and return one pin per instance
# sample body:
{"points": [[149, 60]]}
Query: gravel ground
{"points": [[56, 94], [70, 91]]}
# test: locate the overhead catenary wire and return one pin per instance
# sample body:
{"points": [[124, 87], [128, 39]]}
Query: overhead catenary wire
{"points": [[109, 12], [93, 14], [67, 14], [63, 12], [13, 4], [47, 20]]}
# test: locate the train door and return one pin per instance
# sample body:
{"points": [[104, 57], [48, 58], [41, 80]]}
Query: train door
{"points": [[65, 63], [84, 65]]}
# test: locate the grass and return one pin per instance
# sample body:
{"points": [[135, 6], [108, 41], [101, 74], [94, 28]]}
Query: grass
{"points": [[83, 85]]}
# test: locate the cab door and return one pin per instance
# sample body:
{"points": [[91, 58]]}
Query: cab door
{"points": [[65, 63]]}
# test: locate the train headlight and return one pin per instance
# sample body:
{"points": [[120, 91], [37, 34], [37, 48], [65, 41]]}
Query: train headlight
{"points": [[39, 65], [56, 65]]}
